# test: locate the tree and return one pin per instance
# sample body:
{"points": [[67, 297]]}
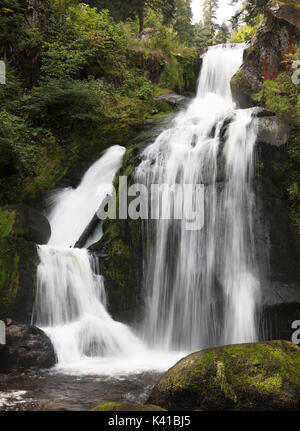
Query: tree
{"points": [[210, 9], [222, 34], [121, 9], [202, 37], [183, 21], [248, 13]]}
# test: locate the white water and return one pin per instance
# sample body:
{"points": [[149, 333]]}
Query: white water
{"points": [[70, 304], [204, 292], [73, 209], [201, 287]]}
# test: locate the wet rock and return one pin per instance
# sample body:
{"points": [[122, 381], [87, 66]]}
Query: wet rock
{"points": [[254, 376], [273, 130], [259, 112], [265, 59], [121, 248], [26, 347], [277, 246], [175, 100], [123, 407]]}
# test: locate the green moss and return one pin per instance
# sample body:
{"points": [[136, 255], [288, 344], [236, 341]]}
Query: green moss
{"points": [[7, 220], [122, 407], [238, 377], [9, 276]]}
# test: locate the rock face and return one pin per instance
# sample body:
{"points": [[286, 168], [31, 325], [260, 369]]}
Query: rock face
{"points": [[26, 347], [277, 241], [273, 131], [265, 59], [21, 227], [122, 407], [255, 376], [121, 247]]}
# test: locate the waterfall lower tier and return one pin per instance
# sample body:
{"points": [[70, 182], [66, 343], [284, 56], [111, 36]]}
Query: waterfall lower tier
{"points": [[70, 303]]}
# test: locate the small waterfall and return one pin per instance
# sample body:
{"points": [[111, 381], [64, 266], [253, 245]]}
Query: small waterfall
{"points": [[201, 287], [70, 302]]}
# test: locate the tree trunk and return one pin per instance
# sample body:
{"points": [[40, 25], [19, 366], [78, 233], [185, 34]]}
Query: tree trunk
{"points": [[141, 16]]}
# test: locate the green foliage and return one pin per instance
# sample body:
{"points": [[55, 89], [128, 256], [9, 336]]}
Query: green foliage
{"points": [[210, 9], [80, 36], [222, 34], [12, 19], [245, 33], [283, 97], [68, 107], [27, 154], [248, 12], [98, 80], [183, 21]]}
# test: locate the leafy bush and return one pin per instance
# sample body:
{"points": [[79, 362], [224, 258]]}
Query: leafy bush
{"points": [[80, 35]]}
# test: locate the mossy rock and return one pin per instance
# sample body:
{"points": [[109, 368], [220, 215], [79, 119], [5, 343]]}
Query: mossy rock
{"points": [[21, 227], [123, 407], [254, 376], [120, 249]]}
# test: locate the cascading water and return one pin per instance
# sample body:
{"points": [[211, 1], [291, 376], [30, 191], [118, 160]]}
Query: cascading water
{"points": [[70, 303], [201, 287], [202, 293]]}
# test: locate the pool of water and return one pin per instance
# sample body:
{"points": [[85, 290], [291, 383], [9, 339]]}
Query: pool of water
{"points": [[55, 391]]}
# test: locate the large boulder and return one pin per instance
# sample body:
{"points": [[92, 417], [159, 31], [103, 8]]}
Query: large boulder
{"points": [[26, 347], [21, 227], [254, 376], [265, 59]]}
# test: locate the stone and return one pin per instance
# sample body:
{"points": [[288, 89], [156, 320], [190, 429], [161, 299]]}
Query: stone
{"points": [[265, 59], [273, 130], [26, 347], [175, 100], [253, 376]]}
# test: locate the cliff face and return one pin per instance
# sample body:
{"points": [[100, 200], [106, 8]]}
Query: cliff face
{"points": [[266, 56]]}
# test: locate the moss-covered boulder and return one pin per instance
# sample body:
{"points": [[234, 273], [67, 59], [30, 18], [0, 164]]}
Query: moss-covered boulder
{"points": [[266, 57], [123, 407], [254, 376], [21, 227]]}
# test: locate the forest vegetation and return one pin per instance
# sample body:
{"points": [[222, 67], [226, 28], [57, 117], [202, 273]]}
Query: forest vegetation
{"points": [[84, 76]]}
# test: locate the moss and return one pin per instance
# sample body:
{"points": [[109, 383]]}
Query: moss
{"points": [[239, 377], [123, 240], [121, 407], [9, 276], [7, 220]]}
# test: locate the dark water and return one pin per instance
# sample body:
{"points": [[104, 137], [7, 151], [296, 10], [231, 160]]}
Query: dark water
{"points": [[49, 391]]}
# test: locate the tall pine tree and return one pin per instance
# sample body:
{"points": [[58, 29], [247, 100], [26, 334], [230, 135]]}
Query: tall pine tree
{"points": [[210, 10], [183, 16]]}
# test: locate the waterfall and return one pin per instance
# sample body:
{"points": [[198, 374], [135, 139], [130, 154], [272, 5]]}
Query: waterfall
{"points": [[70, 303], [201, 287]]}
